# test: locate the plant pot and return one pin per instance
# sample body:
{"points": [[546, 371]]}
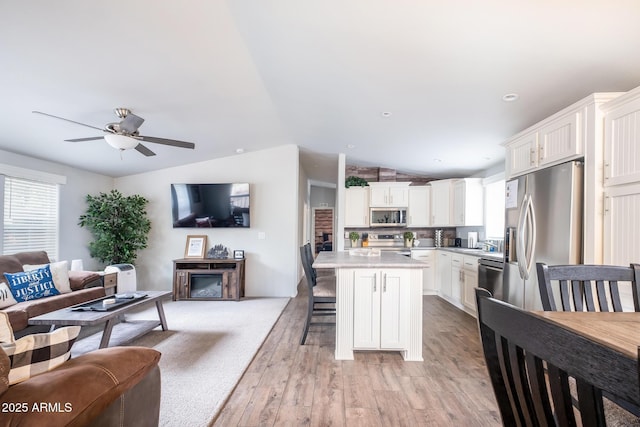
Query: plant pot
{"points": [[354, 243], [408, 243]]}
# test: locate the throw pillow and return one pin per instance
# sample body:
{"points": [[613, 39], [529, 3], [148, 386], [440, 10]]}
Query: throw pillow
{"points": [[59, 271], [38, 353], [30, 285], [6, 297]]}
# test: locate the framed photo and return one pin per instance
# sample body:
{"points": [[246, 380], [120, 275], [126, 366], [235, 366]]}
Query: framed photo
{"points": [[196, 246], [238, 254]]}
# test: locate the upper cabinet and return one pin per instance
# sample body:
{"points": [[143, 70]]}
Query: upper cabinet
{"points": [[564, 136], [389, 194], [561, 139], [622, 140], [522, 154], [468, 202], [441, 202], [553, 141], [356, 209], [419, 211], [457, 202]]}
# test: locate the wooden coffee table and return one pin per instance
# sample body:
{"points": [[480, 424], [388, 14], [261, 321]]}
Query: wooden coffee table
{"points": [[127, 330]]}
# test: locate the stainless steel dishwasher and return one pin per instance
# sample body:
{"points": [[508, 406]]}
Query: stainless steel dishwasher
{"points": [[490, 276]]}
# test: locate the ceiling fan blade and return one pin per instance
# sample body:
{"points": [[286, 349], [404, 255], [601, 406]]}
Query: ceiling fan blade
{"points": [[93, 138], [144, 150], [67, 120], [131, 123], [172, 142]]}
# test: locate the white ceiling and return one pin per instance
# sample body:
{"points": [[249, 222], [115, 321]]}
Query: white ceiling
{"points": [[257, 74]]}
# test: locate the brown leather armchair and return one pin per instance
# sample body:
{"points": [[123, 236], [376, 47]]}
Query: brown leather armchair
{"points": [[118, 386]]}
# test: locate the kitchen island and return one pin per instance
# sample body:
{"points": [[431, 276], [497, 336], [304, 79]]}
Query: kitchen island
{"points": [[378, 302]]}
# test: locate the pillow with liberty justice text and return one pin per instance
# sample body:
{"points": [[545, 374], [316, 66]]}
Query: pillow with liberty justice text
{"points": [[59, 273], [33, 284]]}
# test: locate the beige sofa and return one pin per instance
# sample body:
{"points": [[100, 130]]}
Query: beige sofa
{"points": [[86, 286]]}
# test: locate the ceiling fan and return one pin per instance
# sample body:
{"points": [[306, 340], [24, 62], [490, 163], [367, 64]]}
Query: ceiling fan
{"points": [[124, 135]]}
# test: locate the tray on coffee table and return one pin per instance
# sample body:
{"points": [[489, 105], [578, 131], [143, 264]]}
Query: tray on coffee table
{"points": [[116, 301]]}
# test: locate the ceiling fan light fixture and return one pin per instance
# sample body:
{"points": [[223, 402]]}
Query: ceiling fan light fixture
{"points": [[120, 142]]}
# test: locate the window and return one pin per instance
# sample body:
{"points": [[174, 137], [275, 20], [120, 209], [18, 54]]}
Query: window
{"points": [[494, 207], [30, 220]]}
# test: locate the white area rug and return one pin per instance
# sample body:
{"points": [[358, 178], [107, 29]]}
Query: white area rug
{"points": [[205, 352]]}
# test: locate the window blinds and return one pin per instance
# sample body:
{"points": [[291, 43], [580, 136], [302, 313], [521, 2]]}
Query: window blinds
{"points": [[30, 216]]}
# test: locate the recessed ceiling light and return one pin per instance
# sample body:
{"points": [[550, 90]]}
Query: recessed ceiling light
{"points": [[437, 160], [351, 146], [510, 97], [239, 150], [386, 114]]}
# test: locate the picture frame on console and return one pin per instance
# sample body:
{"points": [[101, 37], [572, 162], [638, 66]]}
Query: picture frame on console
{"points": [[238, 254], [196, 246]]}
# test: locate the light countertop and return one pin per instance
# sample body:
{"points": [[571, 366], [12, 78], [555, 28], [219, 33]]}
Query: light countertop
{"points": [[384, 260]]}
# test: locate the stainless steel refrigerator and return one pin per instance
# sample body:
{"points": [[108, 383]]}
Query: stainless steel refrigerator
{"points": [[543, 221]]}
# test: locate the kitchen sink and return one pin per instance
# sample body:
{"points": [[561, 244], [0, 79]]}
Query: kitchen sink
{"points": [[471, 250]]}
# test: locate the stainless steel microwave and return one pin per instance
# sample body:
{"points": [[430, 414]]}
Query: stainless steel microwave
{"points": [[387, 217]]}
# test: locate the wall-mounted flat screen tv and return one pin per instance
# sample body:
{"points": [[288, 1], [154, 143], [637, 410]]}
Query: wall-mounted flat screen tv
{"points": [[210, 205]]}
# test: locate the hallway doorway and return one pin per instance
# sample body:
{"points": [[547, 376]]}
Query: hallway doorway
{"points": [[322, 231]]}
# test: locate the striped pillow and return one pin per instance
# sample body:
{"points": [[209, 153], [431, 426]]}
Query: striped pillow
{"points": [[38, 353]]}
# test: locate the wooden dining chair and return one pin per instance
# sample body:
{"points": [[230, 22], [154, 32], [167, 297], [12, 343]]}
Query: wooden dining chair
{"points": [[530, 359], [321, 293], [587, 287]]}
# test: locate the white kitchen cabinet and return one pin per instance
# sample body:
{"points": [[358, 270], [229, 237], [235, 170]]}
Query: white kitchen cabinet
{"points": [[621, 226], [428, 257], [380, 314], [522, 154], [456, 279], [356, 208], [419, 210], [441, 202], [622, 140], [470, 282], [443, 276], [389, 194], [468, 202], [622, 180], [551, 142], [569, 134], [561, 139]]}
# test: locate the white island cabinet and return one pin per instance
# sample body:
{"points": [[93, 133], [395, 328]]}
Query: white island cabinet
{"points": [[378, 303]]}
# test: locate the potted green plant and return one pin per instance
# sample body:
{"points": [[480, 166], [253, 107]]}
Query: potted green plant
{"points": [[354, 236], [119, 225], [355, 181], [408, 239]]}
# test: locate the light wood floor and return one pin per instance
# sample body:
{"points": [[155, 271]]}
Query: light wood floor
{"points": [[292, 385]]}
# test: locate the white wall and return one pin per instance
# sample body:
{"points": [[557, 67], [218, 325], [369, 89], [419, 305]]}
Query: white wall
{"points": [[271, 264], [320, 195], [74, 241]]}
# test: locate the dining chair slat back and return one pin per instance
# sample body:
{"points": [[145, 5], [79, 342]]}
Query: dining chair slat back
{"points": [[588, 287]]}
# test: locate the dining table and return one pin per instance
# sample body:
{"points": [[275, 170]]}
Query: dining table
{"points": [[619, 335]]}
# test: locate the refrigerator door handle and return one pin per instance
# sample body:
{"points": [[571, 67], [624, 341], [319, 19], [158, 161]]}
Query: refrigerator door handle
{"points": [[520, 240], [531, 236]]}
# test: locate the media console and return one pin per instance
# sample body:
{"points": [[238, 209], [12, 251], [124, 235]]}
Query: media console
{"points": [[208, 279]]}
